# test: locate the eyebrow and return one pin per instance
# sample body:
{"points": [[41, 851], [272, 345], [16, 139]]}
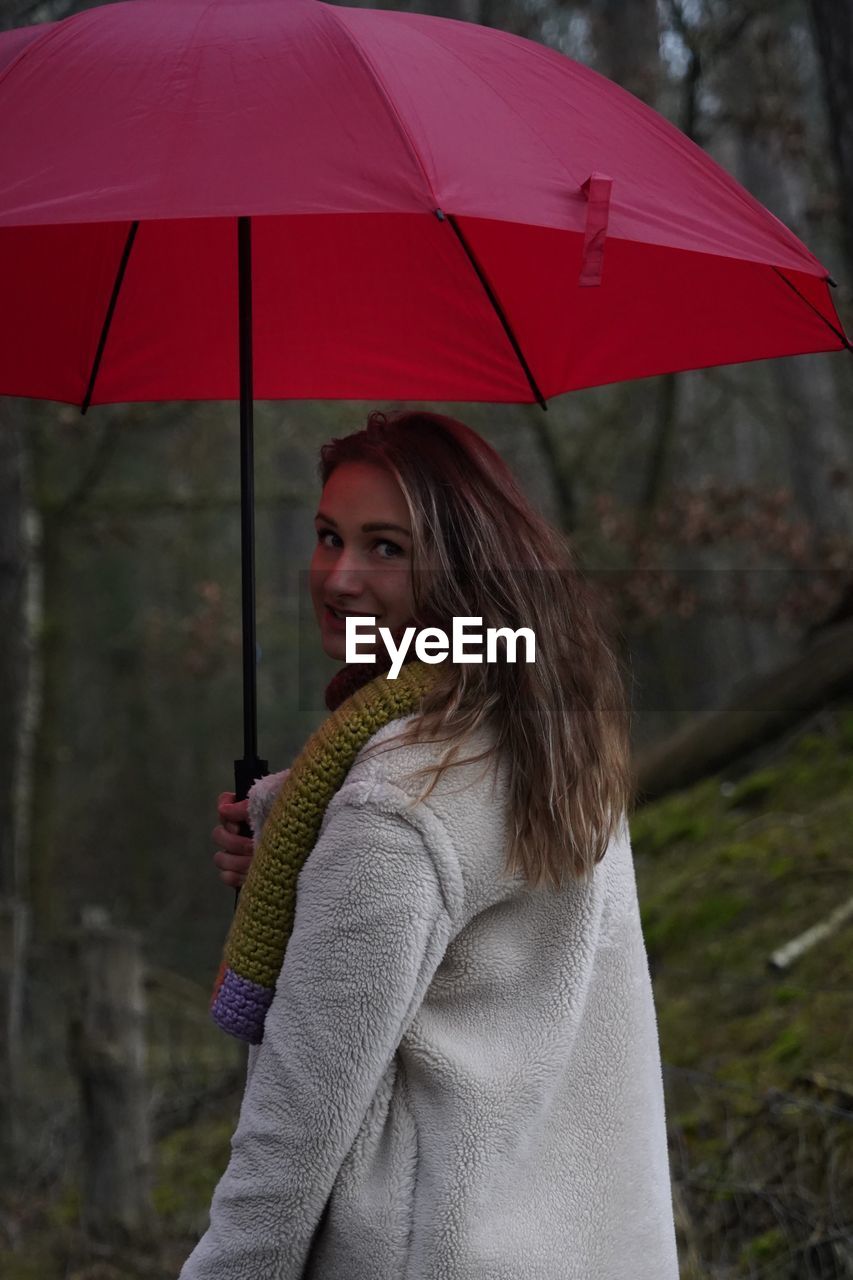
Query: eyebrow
{"points": [[374, 527]]}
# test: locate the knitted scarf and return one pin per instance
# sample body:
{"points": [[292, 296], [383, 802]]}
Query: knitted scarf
{"points": [[266, 907]]}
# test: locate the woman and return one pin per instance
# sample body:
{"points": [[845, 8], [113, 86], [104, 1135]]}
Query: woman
{"points": [[455, 1072]]}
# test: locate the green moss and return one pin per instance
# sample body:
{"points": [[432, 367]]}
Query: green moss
{"points": [[686, 817], [772, 860], [778, 868], [788, 1045], [763, 1248], [755, 790], [29, 1266], [692, 921], [845, 731], [189, 1163], [740, 851], [812, 746], [65, 1210]]}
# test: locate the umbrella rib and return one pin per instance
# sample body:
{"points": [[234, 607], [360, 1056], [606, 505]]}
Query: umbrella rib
{"points": [[839, 333], [108, 318], [449, 217]]}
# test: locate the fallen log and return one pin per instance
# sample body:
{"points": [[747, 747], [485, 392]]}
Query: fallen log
{"points": [[757, 714]]}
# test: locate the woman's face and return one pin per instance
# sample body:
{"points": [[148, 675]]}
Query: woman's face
{"points": [[362, 563]]}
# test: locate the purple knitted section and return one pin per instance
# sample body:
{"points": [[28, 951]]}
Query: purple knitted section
{"points": [[241, 1006]]}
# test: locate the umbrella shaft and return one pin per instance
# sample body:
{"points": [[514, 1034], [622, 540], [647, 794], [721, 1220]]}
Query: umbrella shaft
{"points": [[247, 488]]}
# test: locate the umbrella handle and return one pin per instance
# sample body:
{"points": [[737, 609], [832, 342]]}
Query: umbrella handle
{"points": [[246, 772]]}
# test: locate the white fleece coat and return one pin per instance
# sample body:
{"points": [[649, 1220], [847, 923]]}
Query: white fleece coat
{"points": [[460, 1077]]}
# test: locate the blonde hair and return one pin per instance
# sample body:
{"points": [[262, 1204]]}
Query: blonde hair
{"points": [[561, 723]]}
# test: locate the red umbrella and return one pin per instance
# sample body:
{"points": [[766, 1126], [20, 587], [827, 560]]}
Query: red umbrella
{"points": [[425, 209]]}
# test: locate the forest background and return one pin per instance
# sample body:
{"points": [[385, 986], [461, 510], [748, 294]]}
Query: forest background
{"points": [[714, 507]]}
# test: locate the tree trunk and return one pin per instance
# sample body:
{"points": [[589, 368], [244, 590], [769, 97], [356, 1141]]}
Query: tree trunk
{"points": [[107, 1050], [13, 944], [20, 683], [12, 591], [20, 608], [38, 807], [833, 27], [626, 36], [561, 472]]}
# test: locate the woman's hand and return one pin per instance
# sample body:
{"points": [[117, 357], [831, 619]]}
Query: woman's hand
{"points": [[234, 852]]}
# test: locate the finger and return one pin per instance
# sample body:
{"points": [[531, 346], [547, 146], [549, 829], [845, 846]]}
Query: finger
{"points": [[233, 842], [235, 810], [236, 825], [231, 823], [232, 878], [231, 861]]}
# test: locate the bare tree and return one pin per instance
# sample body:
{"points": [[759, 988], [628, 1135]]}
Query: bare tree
{"points": [[832, 21], [626, 35]]}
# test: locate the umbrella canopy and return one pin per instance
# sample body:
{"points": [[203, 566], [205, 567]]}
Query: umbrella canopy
{"points": [[439, 210], [217, 199]]}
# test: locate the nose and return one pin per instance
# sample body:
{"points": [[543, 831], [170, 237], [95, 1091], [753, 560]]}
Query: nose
{"points": [[346, 577]]}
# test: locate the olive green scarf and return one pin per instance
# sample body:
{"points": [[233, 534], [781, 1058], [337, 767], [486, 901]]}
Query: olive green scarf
{"points": [[266, 906]]}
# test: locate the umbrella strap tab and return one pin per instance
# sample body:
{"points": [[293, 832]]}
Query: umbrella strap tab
{"points": [[597, 190]]}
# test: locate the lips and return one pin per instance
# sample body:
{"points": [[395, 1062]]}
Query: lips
{"points": [[344, 614], [340, 624]]}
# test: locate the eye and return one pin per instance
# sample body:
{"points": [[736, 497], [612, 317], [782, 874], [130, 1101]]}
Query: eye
{"points": [[395, 550]]}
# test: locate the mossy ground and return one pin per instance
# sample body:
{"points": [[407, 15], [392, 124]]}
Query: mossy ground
{"points": [[757, 1063]]}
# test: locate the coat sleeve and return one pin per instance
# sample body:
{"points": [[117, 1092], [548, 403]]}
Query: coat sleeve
{"points": [[374, 916], [261, 797]]}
